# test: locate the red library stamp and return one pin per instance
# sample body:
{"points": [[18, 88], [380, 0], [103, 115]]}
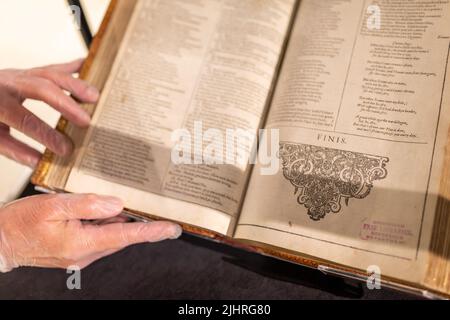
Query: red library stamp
{"points": [[394, 233]]}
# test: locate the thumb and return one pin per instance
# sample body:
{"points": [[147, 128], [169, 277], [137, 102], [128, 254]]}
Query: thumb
{"points": [[121, 235]]}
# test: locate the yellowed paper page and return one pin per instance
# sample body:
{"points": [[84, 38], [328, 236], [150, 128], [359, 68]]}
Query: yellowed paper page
{"points": [[364, 111], [183, 63]]}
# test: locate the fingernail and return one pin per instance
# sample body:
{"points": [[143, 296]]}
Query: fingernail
{"points": [[92, 93], [64, 146], [85, 118], [178, 231], [31, 161], [111, 204]]}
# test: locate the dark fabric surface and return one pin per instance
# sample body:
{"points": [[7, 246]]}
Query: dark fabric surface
{"points": [[189, 268]]}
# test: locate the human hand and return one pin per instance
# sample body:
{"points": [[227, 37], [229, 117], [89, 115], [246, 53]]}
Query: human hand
{"points": [[49, 231], [47, 84]]}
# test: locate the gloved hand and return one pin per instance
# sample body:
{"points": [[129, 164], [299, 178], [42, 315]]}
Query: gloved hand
{"points": [[49, 231], [45, 84]]}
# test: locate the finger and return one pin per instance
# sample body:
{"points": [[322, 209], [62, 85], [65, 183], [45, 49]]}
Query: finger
{"points": [[18, 151], [4, 128], [86, 262], [78, 88], [102, 222], [70, 67], [69, 207], [45, 90], [121, 235], [26, 122], [82, 207]]}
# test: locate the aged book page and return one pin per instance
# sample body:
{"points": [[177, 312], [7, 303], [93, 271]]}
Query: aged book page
{"points": [[181, 64], [53, 171], [363, 114]]}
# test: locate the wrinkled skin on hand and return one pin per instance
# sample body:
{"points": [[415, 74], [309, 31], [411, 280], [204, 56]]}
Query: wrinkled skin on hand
{"points": [[47, 84], [51, 231]]}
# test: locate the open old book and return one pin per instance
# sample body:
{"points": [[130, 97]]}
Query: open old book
{"points": [[357, 90]]}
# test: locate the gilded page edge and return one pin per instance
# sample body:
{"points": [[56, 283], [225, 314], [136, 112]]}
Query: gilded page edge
{"points": [[46, 163]]}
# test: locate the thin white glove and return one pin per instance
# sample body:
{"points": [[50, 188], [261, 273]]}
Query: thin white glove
{"points": [[48, 231]]}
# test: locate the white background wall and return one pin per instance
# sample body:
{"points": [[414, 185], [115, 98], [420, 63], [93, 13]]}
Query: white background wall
{"points": [[35, 33]]}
